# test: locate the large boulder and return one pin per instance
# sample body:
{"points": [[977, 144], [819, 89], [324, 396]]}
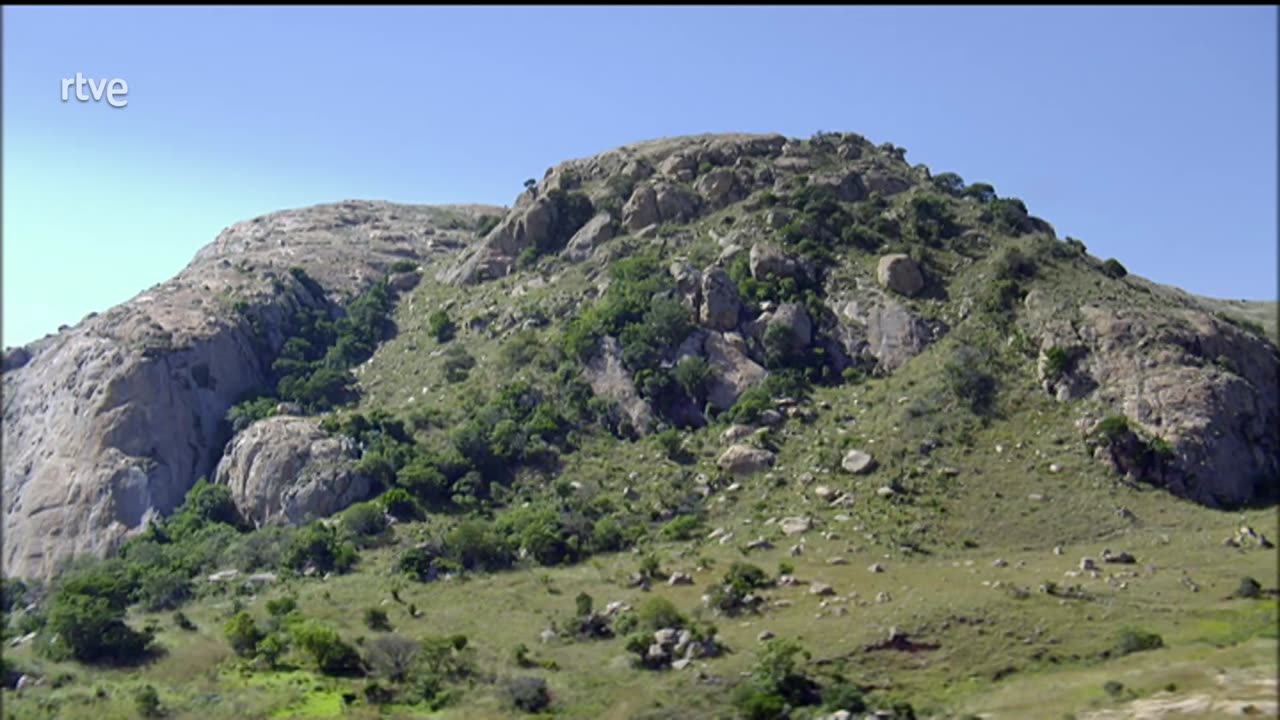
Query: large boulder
{"points": [[795, 319], [721, 304], [735, 371], [745, 460], [109, 423], [641, 209], [597, 231], [609, 379], [547, 220], [766, 260], [286, 469], [720, 187], [900, 274]]}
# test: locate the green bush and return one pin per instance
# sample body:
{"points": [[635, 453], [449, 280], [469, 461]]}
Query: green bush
{"points": [[441, 327], [681, 528], [1249, 588], [331, 654], [486, 224], [1133, 640], [1114, 269], [529, 694], [318, 545], [1112, 428], [399, 504], [694, 374], [243, 634], [966, 377], [364, 520], [949, 183], [147, 702], [1057, 361], [85, 618], [163, 589], [658, 612], [376, 619], [403, 266], [982, 192], [243, 414], [457, 364]]}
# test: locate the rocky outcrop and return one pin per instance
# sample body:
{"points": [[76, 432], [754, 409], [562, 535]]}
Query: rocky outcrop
{"points": [[735, 372], [549, 220], [1200, 385], [766, 260], [597, 231], [286, 469], [721, 187], [609, 379], [900, 274], [875, 327], [110, 422], [721, 304], [658, 203]]}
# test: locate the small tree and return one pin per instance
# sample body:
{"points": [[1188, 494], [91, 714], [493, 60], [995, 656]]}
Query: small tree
{"points": [[147, 701], [376, 619], [441, 327], [584, 603], [243, 634], [393, 656]]}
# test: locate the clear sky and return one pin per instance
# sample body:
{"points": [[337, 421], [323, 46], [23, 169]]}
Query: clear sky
{"points": [[1150, 133]]}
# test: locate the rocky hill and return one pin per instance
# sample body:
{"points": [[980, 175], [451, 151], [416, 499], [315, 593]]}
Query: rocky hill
{"points": [[110, 422], [357, 459]]}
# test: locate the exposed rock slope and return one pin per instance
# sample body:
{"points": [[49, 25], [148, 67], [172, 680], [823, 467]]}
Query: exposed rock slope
{"points": [[113, 420]]}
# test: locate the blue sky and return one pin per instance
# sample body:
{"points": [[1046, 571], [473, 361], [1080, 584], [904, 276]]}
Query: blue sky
{"points": [[1150, 133]]}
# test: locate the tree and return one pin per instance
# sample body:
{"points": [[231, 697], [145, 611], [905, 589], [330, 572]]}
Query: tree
{"points": [[332, 655], [441, 327], [243, 634], [393, 656]]}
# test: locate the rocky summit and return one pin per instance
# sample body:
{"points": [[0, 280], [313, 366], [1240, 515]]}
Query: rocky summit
{"points": [[693, 355]]}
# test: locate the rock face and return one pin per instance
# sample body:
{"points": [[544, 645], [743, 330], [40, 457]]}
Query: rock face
{"points": [[900, 274], [109, 423], [598, 230], [883, 330], [609, 379], [721, 304], [1203, 386], [735, 373], [286, 469]]}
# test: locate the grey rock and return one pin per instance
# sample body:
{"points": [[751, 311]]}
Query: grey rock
{"points": [[721, 304], [857, 462], [609, 379], [900, 274], [597, 231], [745, 460], [286, 469]]}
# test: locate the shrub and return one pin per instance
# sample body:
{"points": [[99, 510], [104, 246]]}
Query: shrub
{"points": [[1132, 641], [457, 364], [487, 223], [243, 634], [1057, 360], [843, 696], [281, 607], [440, 326], [147, 702], [365, 519], [243, 414], [399, 504], [1013, 264], [658, 612], [1113, 688], [982, 192], [318, 545], [86, 618], [163, 589], [967, 379], [376, 619], [332, 655], [529, 694], [182, 622], [1249, 588], [681, 528], [1114, 269], [949, 183], [270, 648], [393, 656], [1112, 428]]}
